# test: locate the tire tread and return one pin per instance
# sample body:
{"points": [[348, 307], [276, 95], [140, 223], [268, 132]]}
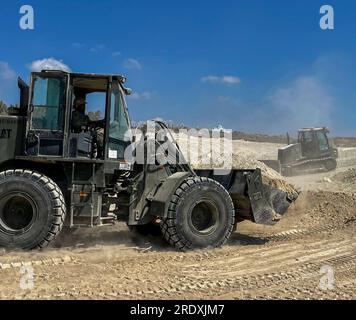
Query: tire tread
{"points": [[58, 210], [168, 224]]}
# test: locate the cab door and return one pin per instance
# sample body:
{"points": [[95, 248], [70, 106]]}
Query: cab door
{"points": [[323, 142], [119, 125], [309, 144], [46, 114]]}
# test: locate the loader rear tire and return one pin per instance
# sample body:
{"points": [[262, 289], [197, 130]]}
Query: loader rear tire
{"points": [[32, 209], [201, 214]]}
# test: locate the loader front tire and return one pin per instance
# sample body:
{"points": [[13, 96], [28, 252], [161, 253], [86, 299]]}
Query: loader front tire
{"points": [[32, 209], [201, 214]]}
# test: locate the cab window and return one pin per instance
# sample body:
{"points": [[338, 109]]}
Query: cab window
{"points": [[95, 107], [48, 99], [323, 141], [307, 136]]}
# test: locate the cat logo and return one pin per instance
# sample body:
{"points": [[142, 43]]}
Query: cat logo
{"points": [[5, 133]]}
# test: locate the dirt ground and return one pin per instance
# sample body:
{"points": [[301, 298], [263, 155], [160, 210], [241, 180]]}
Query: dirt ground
{"points": [[343, 179], [309, 254]]}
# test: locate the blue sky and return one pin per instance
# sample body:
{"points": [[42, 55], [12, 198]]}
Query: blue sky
{"points": [[254, 66]]}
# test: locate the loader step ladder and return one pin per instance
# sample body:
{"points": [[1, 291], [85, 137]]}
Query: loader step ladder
{"points": [[73, 204]]}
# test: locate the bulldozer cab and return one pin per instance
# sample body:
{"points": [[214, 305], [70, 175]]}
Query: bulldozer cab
{"points": [[73, 115], [314, 142]]}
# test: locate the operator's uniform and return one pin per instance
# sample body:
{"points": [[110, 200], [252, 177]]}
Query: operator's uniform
{"points": [[81, 121]]}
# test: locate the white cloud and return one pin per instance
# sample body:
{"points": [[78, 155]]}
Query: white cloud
{"points": [[132, 64], [146, 95], [230, 80], [49, 64], [213, 79], [8, 83], [116, 54], [6, 73], [97, 48]]}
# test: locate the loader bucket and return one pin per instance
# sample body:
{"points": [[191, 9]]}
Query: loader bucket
{"points": [[261, 207]]}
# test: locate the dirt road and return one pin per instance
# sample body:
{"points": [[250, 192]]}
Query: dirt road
{"points": [[310, 254]]}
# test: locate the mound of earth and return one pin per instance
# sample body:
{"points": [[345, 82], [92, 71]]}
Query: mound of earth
{"points": [[320, 208], [269, 176], [347, 177], [199, 153]]}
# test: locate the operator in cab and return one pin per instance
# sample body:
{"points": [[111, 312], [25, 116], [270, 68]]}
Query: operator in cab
{"points": [[81, 122]]}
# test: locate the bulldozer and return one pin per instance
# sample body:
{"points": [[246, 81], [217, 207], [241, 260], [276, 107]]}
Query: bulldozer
{"points": [[55, 174], [312, 151]]}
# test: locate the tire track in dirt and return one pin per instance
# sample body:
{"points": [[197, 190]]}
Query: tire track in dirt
{"points": [[45, 262], [167, 259], [266, 285], [228, 251], [217, 281], [276, 258], [293, 233], [214, 287], [274, 274]]}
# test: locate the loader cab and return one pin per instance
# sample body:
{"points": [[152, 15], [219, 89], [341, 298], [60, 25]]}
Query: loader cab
{"points": [[74, 115], [314, 142]]}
